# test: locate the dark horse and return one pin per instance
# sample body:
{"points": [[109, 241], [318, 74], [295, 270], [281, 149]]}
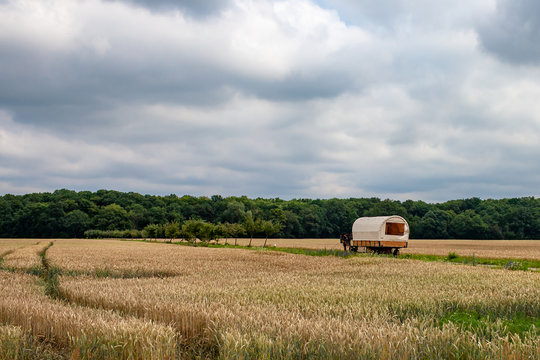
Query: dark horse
{"points": [[345, 240]]}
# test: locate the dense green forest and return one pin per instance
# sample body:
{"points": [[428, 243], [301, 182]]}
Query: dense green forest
{"points": [[66, 213]]}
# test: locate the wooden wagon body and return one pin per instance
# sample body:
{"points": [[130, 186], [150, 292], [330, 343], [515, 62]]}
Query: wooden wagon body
{"points": [[381, 234]]}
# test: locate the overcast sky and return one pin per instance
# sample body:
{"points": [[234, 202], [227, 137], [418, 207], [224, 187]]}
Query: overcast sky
{"points": [[400, 99]]}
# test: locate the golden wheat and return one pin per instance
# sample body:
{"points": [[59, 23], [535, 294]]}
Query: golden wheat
{"points": [[12, 244], [12, 342], [146, 259], [26, 256], [233, 303], [23, 304], [262, 304]]}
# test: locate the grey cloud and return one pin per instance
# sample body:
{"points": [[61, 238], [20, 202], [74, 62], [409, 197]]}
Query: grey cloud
{"points": [[196, 8], [512, 33], [382, 14], [68, 91], [327, 83], [393, 15]]}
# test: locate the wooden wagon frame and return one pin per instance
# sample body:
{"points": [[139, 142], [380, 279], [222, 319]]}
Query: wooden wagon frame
{"points": [[380, 234]]}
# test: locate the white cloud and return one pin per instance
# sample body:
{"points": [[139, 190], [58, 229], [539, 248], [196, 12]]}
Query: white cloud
{"points": [[262, 98], [40, 25]]}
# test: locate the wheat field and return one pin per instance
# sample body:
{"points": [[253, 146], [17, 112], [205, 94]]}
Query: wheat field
{"points": [[96, 299]]}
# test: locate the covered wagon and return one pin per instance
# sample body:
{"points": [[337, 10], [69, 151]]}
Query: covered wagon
{"points": [[380, 234]]}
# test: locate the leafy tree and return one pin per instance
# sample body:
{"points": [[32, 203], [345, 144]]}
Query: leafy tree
{"points": [[157, 215], [198, 229], [38, 219], [434, 225], [416, 208], [174, 211], [250, 225], [340, 217], [172, 230], [190, 230], [75, 223], [222, 230], [311, 220], [205, 208], [206, 232], [112, 217], [236, 231], [138, 216], [291, 225], [7, 220], [234, 213], [269, 228], [279, 215], [522, 221], [151, 231], [387, 207], [468, 225]]}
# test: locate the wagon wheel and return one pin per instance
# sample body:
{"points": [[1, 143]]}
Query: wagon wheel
{"points": [[396, 252]]}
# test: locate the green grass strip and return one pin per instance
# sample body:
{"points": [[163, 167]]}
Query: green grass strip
{"points": [[49, 275], [518, 323], [506, 263]]}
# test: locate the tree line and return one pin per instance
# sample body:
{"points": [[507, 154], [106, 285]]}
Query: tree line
{"points": [[66, 213], [195, 229]]}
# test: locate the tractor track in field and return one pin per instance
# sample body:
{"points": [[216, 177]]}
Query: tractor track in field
{"points": [[12, 251], [196, 336], [50, 274]]}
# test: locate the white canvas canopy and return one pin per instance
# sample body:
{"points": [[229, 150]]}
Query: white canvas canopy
{"points": [[381, 228]]}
